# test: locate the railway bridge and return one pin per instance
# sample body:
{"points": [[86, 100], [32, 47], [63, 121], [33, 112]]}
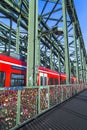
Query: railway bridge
{"points": [[44, 59]]}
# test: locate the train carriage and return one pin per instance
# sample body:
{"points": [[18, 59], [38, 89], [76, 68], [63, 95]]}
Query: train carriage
{"points": [[13, 73]]}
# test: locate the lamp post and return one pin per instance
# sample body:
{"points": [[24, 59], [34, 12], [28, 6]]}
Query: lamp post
{"points": [[55, 29]]}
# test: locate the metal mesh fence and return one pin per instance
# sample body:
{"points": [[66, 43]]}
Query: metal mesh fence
{"points": [[8, 111], [28, 106], [19, 105]]}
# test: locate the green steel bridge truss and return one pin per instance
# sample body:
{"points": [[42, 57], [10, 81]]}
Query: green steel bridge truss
{"points": [[46, 33]]}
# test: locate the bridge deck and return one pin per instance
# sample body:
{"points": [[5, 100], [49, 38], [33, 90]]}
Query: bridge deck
{"points": [[70, 115]]}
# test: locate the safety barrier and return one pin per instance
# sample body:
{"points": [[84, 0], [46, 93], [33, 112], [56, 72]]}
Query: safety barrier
{"points": [[19, 104]]}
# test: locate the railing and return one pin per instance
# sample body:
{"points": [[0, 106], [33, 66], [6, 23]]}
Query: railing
{"points": [[17, 105]]}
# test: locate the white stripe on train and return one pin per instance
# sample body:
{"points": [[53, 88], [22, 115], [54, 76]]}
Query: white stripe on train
{"points": [[9, 63]]}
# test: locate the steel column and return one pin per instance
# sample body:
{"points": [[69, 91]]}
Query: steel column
{"points": [[67, 65], [59, 65], [39, 105], [83, 65], [81, 71], [76, 54], [18, 29], [10, 35], [18, 34], [45, 57], [33, 45], [18, 107], [51, 64], [85, 68]]}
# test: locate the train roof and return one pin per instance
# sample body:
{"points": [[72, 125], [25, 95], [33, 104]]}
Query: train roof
{"points": [[48, 70], [11, 59]]}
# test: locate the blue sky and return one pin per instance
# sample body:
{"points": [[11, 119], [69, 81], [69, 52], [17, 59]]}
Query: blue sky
{"points": [[81, 9]]}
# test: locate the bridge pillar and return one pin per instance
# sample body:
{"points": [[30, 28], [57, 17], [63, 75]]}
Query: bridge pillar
{"points": [[80, 69], [76, 54], [33, 44], [18, 29], [67, 61]]}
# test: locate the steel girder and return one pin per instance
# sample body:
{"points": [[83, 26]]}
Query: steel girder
{"points": [[51, 34]]}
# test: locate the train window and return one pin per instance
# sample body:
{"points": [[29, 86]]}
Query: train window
{"points": [[12, 82], [17, 76], [51, 81], [2, 79], [56, 81], [45, 80], [17, 80], [41, 80], [22, 82], [63, 81]]}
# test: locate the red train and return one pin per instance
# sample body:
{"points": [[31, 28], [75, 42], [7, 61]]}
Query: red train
{"points": [[13, 73]]}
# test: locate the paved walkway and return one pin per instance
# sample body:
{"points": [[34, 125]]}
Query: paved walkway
{"points": [[70, 115]]}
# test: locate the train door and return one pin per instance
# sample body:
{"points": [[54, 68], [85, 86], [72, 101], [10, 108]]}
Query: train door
{"points": [[43, 79]]}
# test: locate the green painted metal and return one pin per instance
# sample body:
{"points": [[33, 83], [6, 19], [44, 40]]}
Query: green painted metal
{"points": [[48, 97], [18, 28], [18, 107], [59, 65], [51, 64], [33, 45], [10, 36], [62, 96], [70, 72], [83, 66], [80, 71], [76, 54], [38, 108], [18, 34], [45, 56], [67, 65], [37, 43], [84, 69]]}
